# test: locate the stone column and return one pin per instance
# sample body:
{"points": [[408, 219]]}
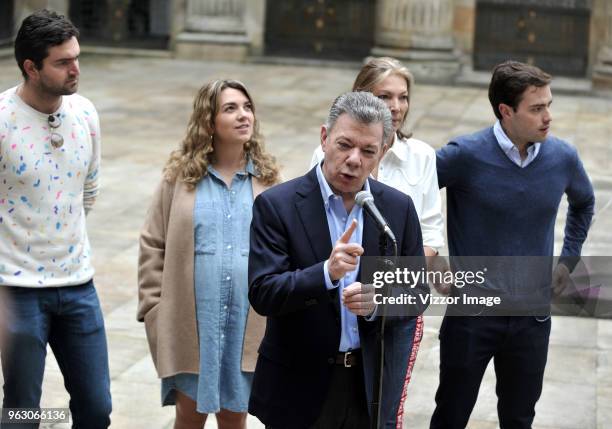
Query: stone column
{"points": [[219, 16], [60, 6], [23, 8], [213, 29], [420, 34], [602, 70]]}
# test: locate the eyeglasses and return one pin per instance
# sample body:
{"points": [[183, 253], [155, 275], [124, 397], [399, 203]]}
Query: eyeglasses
{"points": [[55, 121]]}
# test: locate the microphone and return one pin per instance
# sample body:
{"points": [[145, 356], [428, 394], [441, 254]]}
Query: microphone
{"points": [[366, 200]]}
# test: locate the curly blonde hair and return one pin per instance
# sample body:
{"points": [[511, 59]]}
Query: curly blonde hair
{"points": [[378, 69], [190, 161]]}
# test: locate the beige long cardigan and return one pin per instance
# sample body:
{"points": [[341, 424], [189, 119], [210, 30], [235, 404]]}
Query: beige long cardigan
{"points": [[166, 297]]}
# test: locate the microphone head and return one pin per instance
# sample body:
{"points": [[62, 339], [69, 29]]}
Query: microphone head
{"points": [[362, 197]]}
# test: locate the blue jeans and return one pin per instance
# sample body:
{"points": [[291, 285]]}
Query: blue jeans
{"points": [[70, 320], [399, 338]]}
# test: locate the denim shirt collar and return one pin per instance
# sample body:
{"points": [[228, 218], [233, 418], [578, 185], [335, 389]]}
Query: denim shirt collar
{"points": [[249, 168]]}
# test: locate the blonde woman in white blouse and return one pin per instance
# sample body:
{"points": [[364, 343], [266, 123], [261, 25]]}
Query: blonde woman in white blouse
{"points": [[408, 165]]}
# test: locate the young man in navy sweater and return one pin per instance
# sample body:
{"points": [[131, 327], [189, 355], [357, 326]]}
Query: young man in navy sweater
{"points": [[504, 185]]}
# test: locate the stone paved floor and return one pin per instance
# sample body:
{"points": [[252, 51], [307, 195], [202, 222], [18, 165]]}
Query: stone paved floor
{"points": [[144, 106]]}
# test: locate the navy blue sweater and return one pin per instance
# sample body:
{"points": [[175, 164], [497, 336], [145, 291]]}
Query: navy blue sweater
{"points": [[496, 208]]}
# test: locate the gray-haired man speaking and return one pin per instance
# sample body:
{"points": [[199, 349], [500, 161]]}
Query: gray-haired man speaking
{"points": [[306, 239]]}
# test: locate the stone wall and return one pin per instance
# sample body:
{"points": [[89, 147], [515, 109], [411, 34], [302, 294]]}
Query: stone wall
{"points": [[434, 37], [419, 33], [218, 29], [24, 8], [601, 36], [464, 25]]}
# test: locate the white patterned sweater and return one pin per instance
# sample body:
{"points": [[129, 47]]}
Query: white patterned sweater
{"points": [[45, 192]]}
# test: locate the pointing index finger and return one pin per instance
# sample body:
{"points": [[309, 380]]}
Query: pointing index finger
{"points": [[346, 236]]}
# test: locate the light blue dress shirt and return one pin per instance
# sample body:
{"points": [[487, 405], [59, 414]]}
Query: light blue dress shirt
{"points": [[338, 221], [511, 150]]}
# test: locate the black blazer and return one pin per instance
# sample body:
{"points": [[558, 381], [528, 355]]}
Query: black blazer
{"points": [[290, 242]]}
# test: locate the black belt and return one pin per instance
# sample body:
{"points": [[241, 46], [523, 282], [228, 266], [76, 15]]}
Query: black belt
{"points": [[348, 359]]}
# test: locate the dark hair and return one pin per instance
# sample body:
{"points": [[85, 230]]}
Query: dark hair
{"points": [[510, 80], [39, 32]]}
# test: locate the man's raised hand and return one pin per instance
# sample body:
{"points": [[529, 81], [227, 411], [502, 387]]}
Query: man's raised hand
{"points": [[343, 257]]}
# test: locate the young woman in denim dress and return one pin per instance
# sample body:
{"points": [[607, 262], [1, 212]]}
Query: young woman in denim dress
{"points": [[193, 288]]}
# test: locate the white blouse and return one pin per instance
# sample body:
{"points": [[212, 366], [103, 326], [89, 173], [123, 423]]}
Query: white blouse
{"points": [[410, 166]]}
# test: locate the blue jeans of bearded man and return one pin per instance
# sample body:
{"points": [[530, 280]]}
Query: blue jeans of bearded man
{"points": [[70, 320]]}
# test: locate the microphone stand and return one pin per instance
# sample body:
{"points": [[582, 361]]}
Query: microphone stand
{"points": [[386, 264]]}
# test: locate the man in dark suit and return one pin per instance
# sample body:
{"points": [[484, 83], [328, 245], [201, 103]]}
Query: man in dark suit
{"points": [[316, 361]]}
